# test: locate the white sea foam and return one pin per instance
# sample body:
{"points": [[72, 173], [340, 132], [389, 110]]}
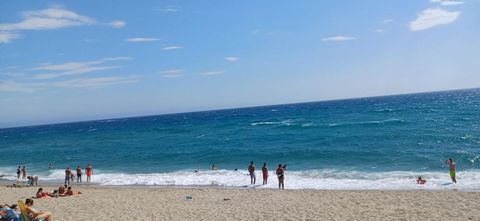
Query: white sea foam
{"points": [[310, 179]]}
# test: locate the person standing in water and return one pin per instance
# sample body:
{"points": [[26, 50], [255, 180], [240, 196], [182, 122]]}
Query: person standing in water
{"points": [[19, 171], [265, 173], [280, 175], [453, 168], [251, 170], [24, 172], [68, 175], [79, 174], [89, 172]]}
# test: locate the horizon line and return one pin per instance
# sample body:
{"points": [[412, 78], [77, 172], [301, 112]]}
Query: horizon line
{"points": [[244, 107]]}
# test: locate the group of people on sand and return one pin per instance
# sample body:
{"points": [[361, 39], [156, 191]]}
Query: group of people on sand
{"points": [[69, 176], [12, 212], [61, 192], [452, 167], [22, 175], [280, 172]]}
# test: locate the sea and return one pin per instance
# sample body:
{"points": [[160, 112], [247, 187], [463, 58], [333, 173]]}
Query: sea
{"points": [[357, 144]]}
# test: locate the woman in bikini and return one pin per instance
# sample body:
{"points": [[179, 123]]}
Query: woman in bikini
{"points": [[280, 175]]}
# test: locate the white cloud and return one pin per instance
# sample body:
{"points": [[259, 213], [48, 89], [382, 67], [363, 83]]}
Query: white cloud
{"points": [[174, 73], [433, 17], [7, 37], [338, 38], [13, 86], [142, 39], [379, 30], [168, 48], [170, 9], [447, 2], [210, 73], [117, 24], [52, 18], [95, 82], [75, 68], [231, 59], [386, 21]]}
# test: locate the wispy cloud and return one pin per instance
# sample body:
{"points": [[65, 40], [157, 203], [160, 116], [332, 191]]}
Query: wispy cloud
{"points": [[338, 38], [143, 39], [447, 2], [75, 68], [430, 18], [47, 19], [168, 48], [7, 37], [170, 9], [231, 59], [210, 73], [173, 73], [386, 21], [52, 18], [117, 24], [95, 82], [13, 86]]}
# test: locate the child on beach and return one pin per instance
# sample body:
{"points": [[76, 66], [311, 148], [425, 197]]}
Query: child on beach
{"points": [[265, 173], [421, 181]]}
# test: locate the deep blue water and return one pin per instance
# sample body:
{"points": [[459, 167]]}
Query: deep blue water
{"points": [[378, 135]]}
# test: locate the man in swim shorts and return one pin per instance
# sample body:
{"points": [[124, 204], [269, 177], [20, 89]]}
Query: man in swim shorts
{"points": [[79, 174], [453, 167], [251, 170], [68, 174]]}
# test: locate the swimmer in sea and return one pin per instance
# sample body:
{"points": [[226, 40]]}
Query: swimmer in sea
{"points": [[251, 170], [280, 175], [421, 181]]}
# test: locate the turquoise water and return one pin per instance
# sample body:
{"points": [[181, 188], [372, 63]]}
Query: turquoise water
{"points": [[368, 143]]}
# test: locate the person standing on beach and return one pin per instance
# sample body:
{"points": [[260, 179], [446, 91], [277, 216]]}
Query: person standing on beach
{"points": [[24, 172], [251, 170], [89, 172], [68, 175], [265, 173], [453, 168], [19, 171], [280, 175], [79, 174]]}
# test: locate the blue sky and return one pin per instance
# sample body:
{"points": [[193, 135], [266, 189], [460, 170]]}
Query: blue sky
{"points": [[83, 60]]}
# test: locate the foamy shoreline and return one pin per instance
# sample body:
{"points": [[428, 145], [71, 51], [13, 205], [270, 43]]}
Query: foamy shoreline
{"points": [[212, 203]]}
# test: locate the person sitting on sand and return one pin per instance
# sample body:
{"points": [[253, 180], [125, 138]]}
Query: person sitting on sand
{"points": [[421, 181], [265, 173], [40, 194], [62, 190], [34, 214], [453, 167], [71, 193], [280, 175], [9, 212], [251, 170]]}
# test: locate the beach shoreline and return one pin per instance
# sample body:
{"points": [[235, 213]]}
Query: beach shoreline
{"points": [[99, 202]]}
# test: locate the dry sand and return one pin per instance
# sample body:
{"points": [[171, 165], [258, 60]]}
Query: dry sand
{"points": [[144, 203]]}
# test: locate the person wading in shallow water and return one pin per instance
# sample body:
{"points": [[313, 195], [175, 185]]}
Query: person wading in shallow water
{"points": [[453, 168], [281, 178], [251, 170]]}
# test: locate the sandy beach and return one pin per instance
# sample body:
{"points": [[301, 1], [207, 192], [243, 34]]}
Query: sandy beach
{"points": [[148, 203]]}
